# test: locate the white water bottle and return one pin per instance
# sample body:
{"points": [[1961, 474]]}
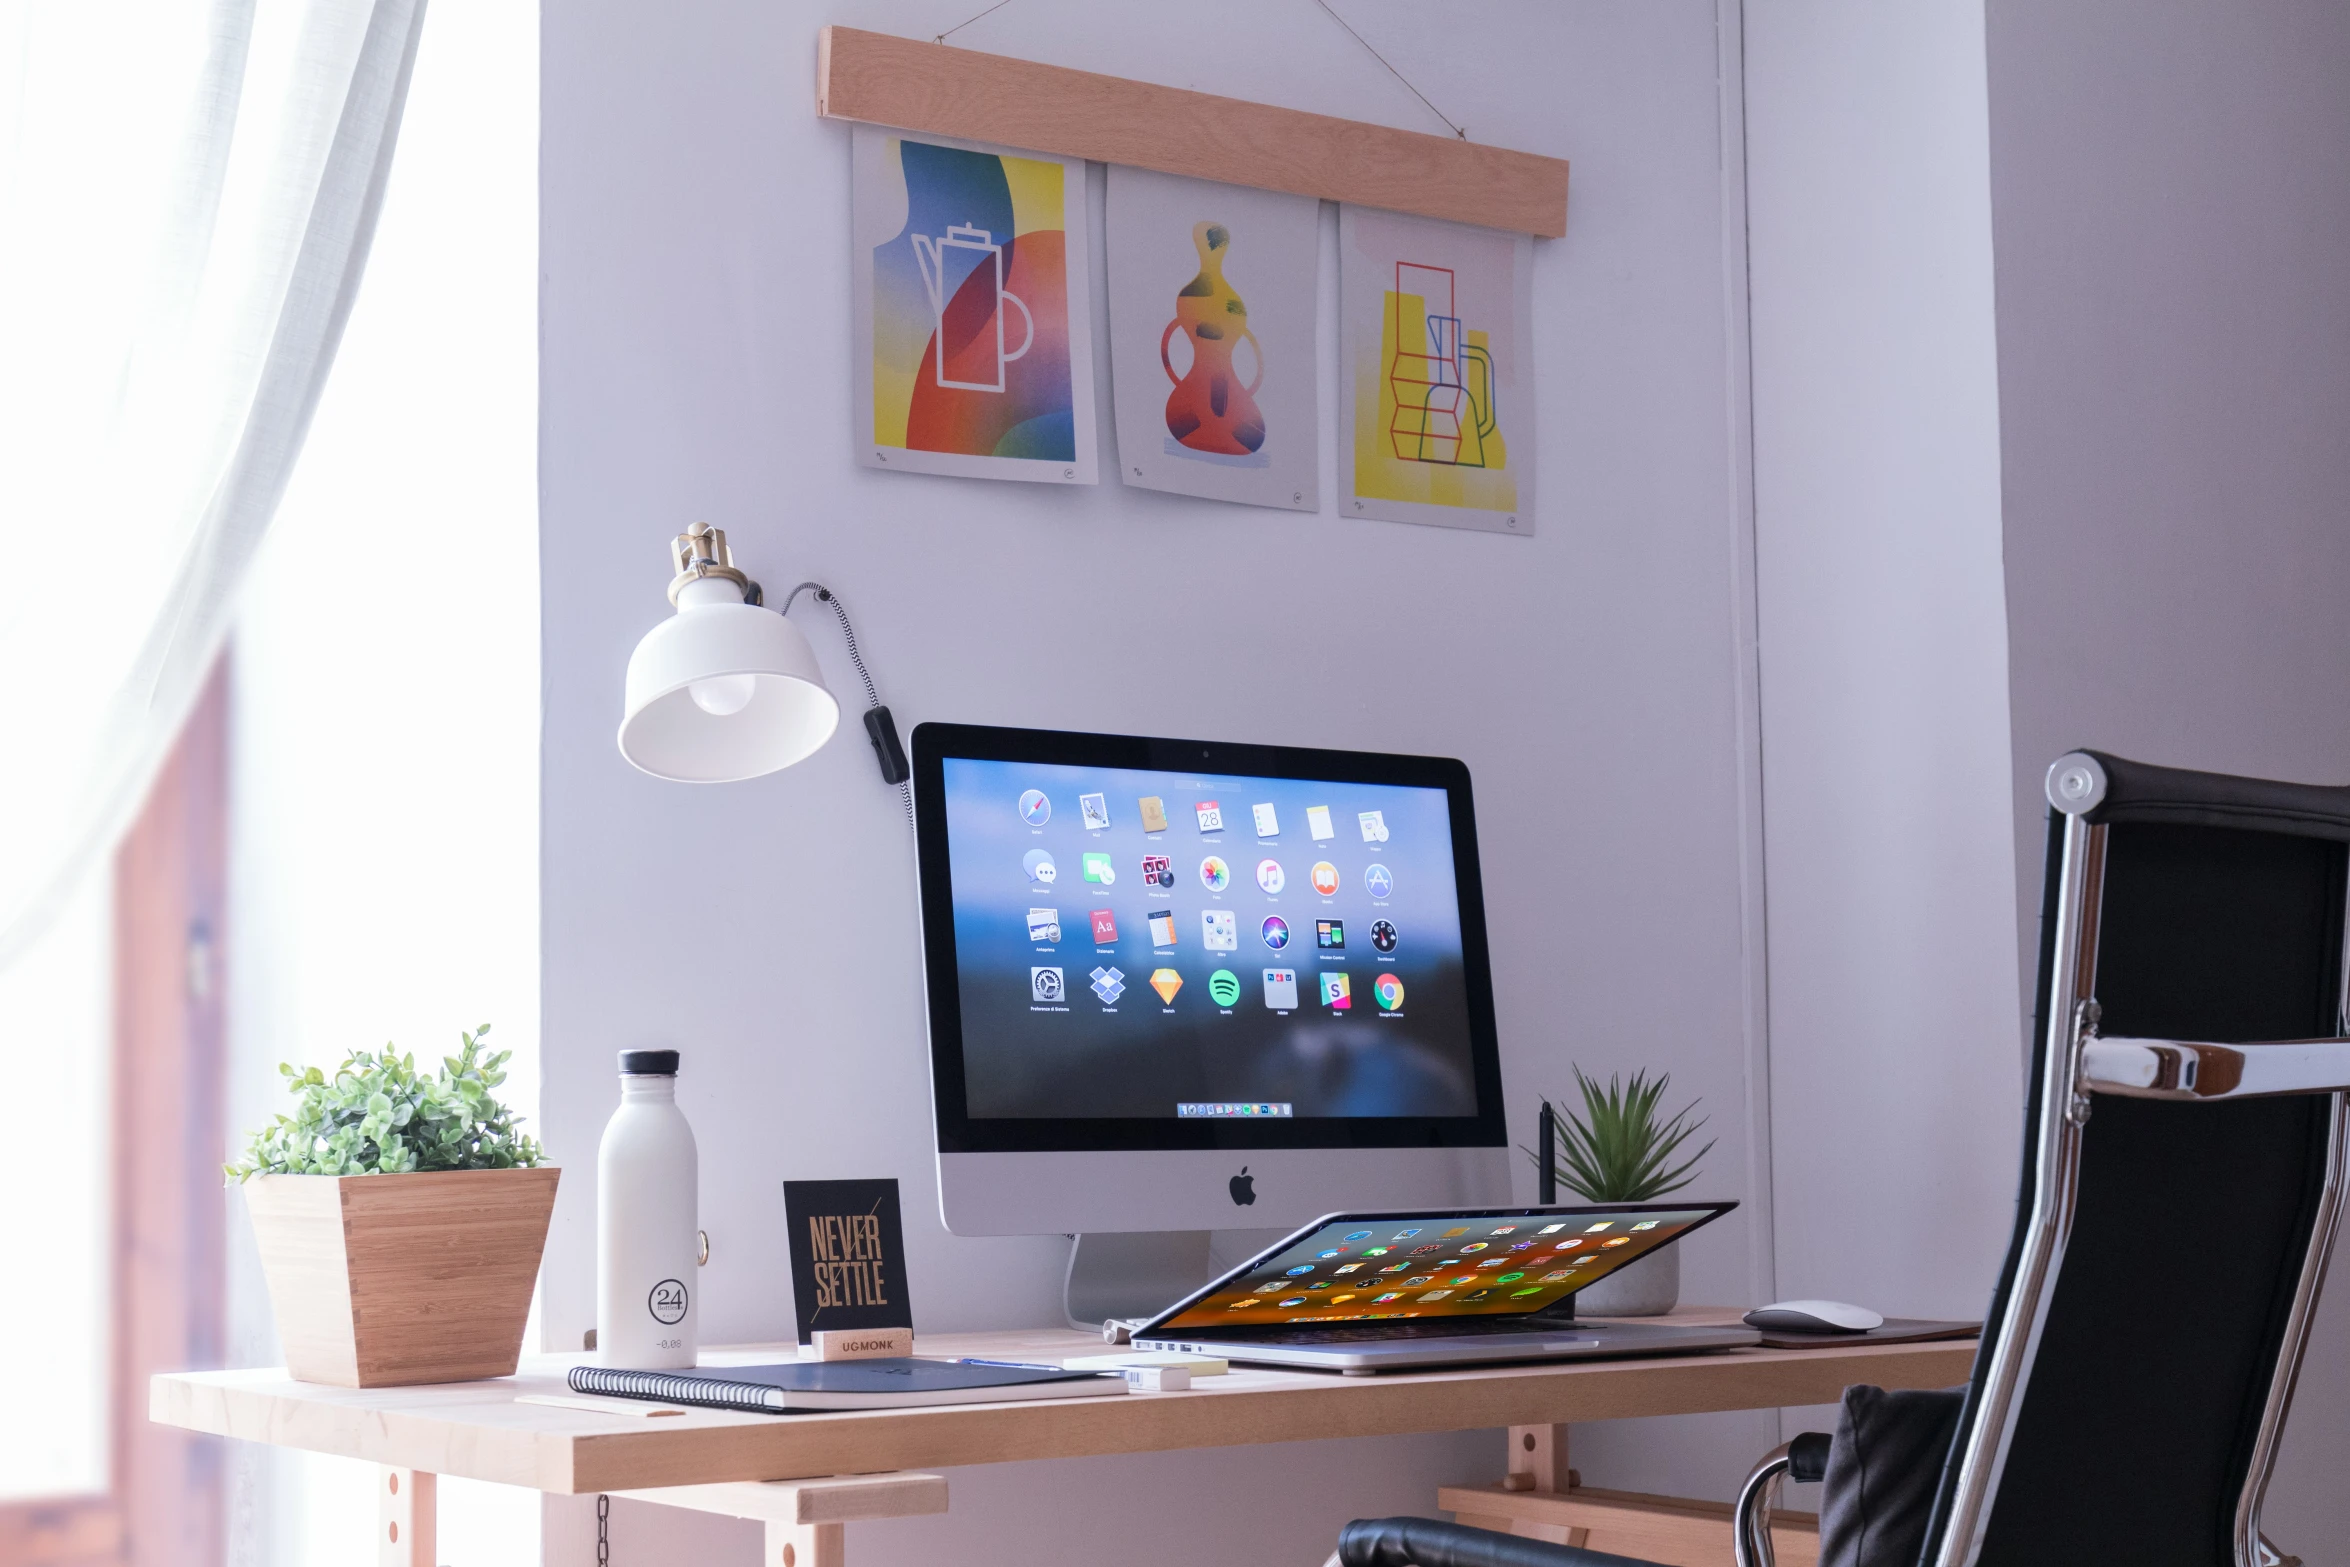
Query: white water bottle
{"points": [[647, 1233]]}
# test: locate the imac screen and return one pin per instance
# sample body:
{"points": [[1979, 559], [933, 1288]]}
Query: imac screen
{"points": [[1206, 946]]}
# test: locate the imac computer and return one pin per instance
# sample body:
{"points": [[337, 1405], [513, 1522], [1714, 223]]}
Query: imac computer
{"points": [[1178, 985]]}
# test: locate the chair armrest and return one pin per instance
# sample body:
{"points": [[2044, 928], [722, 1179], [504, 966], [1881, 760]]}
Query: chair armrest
{"points": [[1425, 1542], [1750, 1531], [1750, 1522], [2184, 1069]]}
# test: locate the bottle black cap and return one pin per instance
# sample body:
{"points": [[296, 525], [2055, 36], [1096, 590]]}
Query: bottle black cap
{"points": [[648, 1063]]}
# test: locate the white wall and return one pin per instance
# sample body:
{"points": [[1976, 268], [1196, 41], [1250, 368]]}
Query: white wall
{"points": [[1896, 1088], [1895, 1079], [2171, 194], [695, 365]]}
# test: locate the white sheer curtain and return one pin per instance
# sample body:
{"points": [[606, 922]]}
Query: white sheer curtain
{"points": [[187, 193], [383, 786]]}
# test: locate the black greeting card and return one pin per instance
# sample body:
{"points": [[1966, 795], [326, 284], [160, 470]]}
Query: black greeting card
{"points": [[848, 1255]]}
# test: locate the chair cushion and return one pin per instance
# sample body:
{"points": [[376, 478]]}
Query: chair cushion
{"points": [[1426, 1542], [1882, 1474]]}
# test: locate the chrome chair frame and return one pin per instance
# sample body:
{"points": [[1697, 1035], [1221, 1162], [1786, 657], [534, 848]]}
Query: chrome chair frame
{"points": [[2081, 1065], [1750, 1528]]}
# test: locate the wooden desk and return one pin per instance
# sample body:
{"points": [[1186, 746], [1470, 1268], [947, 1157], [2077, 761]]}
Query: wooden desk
{"points": [[477, 1430]]}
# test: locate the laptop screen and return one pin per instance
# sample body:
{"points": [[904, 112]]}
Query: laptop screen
{"points": [[1354, 1268]]}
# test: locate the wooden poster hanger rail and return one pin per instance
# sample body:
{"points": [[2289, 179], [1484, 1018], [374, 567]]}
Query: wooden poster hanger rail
{"points": [[944, 90]]}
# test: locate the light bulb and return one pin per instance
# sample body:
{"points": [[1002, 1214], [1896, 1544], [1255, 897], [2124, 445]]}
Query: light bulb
{"points": [[723, 696]]}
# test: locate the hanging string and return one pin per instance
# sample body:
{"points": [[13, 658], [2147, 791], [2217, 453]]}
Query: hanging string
{"points": [[1457, 130], [1376, 55], [967, 21]]}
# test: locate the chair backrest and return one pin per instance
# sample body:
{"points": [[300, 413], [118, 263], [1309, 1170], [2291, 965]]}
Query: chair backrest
{"points": [[2142, 1344]]}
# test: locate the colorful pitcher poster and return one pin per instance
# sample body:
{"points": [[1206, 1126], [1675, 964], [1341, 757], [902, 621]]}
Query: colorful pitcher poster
{"points": [[974, 346], [1437, 372], [1212, 344]]}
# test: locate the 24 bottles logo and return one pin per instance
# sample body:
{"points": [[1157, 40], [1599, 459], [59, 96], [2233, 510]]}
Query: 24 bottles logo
{"points": [[667, 1302]]}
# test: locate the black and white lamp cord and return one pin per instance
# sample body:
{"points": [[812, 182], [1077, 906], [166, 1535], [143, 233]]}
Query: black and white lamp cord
{"points": [[880, 727]]}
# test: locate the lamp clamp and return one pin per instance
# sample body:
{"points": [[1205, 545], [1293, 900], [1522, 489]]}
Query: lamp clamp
{"points": [[699, 552]]}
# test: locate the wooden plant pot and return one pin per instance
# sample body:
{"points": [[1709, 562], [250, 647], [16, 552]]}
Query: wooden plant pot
{"points": [[393, 1280]]}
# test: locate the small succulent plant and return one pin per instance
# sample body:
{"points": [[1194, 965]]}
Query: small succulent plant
{"points": [[1620, 1149]]}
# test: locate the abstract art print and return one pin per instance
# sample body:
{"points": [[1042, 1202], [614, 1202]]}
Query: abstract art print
{"points": [[974, 347], [1436, 371], [1212, 339]]}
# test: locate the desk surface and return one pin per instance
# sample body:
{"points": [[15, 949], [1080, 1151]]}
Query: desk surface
{"points": [[477, 1430]]}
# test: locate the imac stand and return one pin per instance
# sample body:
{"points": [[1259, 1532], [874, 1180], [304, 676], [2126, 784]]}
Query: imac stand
{"points": [[1131, 1274]]}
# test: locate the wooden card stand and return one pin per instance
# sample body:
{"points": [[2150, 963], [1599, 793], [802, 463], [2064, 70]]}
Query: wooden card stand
{"points": [[861, 1343]]}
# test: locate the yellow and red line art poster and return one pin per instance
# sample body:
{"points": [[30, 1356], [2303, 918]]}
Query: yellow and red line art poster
{"points": [[1436, 372], [1213, 343], [974, 348]]}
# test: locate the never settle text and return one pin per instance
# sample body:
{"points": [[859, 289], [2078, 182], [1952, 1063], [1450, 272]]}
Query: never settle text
{"points": [[847, 1249]]}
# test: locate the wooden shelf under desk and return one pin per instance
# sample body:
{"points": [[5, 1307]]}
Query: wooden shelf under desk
{"points": [[477, 1430]]}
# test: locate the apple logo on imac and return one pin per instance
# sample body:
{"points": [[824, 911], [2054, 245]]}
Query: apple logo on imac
{"points": [[1243, 1187]]}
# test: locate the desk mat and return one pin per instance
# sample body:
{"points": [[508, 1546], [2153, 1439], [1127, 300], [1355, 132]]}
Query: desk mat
{"points": [[1897, 1330]]}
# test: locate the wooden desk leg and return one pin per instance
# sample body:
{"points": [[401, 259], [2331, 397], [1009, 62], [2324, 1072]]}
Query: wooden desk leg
{"points": [[407, 1519], [806, 1544]]}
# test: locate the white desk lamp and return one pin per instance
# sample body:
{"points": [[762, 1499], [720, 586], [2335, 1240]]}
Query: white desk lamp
{"points": [[727, 688]]}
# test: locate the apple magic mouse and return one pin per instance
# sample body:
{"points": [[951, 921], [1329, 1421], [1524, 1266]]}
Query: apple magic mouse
{"points": [[1813, 1316]]}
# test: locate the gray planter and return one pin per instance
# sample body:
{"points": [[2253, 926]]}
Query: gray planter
{"points": [[1647, 1288]]}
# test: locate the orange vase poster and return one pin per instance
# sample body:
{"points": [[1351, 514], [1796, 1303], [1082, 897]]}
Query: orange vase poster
{"points": [[1212, 343]]}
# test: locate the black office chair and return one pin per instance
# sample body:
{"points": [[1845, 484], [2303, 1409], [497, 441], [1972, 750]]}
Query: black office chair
{"points": [[2182, 1177]]}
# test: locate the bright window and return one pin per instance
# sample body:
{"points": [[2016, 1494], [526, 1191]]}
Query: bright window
{"points": [[384, 836], [56, 1041]]}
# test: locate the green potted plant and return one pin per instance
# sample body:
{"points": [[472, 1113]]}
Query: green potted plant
{"points": [[1622, 1149], [400, 1217]]}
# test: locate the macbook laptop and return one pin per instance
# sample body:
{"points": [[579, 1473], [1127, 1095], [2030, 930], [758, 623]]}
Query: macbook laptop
{"points": [[1404, 1291]]}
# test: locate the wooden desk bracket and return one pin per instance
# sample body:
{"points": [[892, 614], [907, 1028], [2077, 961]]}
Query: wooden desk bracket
{"points": [[1538, 1460], [1666, 1529], [806, 1519]]}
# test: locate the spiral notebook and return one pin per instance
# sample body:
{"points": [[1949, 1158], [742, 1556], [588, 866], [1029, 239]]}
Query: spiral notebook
{"points": [[813, 1386]]}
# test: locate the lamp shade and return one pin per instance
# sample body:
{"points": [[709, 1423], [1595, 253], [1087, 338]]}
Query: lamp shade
{"points": [[723, 690]]}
